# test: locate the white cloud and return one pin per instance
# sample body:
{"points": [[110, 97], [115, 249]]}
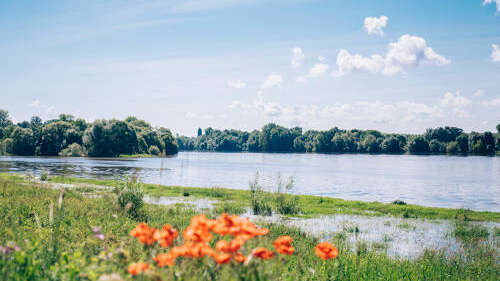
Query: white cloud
{"points": [[495, 53], [317, 70], [497, 2], [297, 57], [35, 103], [408, 52], [492, 103], [321, 58], [478, 93], [238, 84], [454, 100], [375, 26], [273, 80]]}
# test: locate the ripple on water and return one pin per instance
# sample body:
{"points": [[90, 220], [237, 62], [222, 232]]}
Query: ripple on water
{"points": [[403, 238]]}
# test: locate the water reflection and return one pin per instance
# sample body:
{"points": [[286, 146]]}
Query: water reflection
{"points": [[440, 181]]}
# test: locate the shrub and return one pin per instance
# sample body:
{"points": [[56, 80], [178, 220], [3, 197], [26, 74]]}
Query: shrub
{"points": [[259, 200], [154, 150], [73, 150], [131, 197], [399, 202], [44, 176], [286, 204]]}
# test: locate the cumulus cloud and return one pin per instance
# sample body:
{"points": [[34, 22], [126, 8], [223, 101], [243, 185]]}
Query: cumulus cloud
{"points": [[492, 103], [297, 57], [375, 26], [497, 2], [478, 93], [238, 84], [317, 70], [273, 80], [35, 103], [455, 100], [408, 52], [495, 53]]}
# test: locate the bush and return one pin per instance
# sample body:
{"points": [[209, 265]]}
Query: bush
{"points": [[452, 148], [154, 150], [73, 150], [259, 200], [44, 176], [131, 197], [286, 204]]}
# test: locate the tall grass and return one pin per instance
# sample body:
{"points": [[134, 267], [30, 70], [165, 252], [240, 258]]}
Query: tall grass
{"points": [[80, 255], [130, 196]]}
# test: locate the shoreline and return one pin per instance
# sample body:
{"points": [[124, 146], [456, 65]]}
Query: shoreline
{"points": [[311, 205]]}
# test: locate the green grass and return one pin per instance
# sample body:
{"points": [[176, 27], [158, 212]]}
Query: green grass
{"points": [[309, 205], [142, 155], [62, 246]]}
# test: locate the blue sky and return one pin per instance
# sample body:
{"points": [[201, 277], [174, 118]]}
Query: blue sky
{"points": [[396, 66]]}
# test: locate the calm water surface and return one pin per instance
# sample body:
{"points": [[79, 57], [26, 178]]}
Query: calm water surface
{"points": [[439, 181]]}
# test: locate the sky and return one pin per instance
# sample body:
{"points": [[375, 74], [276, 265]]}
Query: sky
{"points": [[394, 66]]}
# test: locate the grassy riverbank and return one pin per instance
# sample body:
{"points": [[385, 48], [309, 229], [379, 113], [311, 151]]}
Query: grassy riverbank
{"points": [[57, 243], [234, 200]]}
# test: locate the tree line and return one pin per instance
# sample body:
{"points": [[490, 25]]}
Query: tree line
{"points": [[275, 138], [70, 136]]}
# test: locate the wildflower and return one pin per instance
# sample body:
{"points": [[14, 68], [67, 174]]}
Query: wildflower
{"points": [[262, 253], [222, 258], [239, 257], [144, 233], [137, 268], [164, 259], [96, 229], [326, 251], [166, 235], [283, 245], [199, 230], [230, 247], [99, 236]]}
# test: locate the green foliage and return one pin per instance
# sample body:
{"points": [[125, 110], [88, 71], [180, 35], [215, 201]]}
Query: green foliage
{"points": [[418, 145], [130, 197], [22, 142], [286, 204], [73, 150], [102, 138], [275, 138], [154, 150], [259, 199], [469, 232], [80, 255]]}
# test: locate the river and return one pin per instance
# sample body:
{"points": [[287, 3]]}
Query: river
{"points": [[439, 181]]}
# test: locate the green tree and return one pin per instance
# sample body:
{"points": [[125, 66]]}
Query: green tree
{"points": [[391, 145], [23, 141], [418, 146], [56, 136]]}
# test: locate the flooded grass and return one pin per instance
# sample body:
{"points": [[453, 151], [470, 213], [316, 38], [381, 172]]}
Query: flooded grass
{"points": [[309, 205], [54, 240]]}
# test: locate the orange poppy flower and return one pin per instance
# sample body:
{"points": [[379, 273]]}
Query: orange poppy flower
{"points": [[144, 233], [326, 251], [283, 245], [262, 253], [166, 235], [239, 257], [164, 259], [222, 258], [137, 268]]}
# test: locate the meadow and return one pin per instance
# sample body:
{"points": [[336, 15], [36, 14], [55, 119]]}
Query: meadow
{"points": [[52, 231]]}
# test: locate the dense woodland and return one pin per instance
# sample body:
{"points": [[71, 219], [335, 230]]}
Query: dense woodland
{"points": [[275, 138], [67, 136]]}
